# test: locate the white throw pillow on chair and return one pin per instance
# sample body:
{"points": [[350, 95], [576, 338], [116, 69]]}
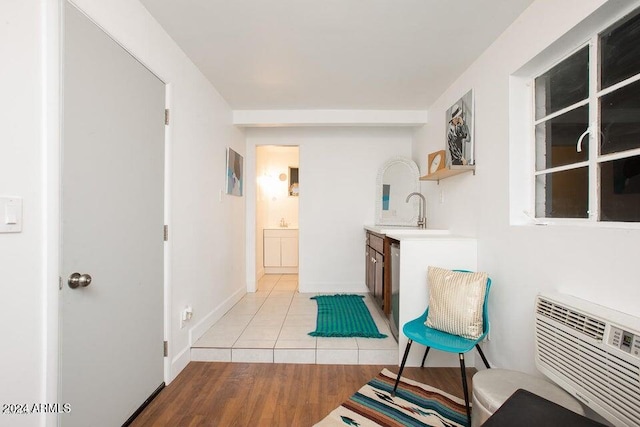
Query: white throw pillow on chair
{"points": [[456, 301]]}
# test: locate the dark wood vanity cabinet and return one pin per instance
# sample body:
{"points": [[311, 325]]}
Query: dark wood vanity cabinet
{"points": [[377, 257]]}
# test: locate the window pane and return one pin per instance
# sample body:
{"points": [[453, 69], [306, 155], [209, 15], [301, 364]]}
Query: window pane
{"points": [[620, 52], [620, 119], [563, 194], [620, 190], [563, 85], [556, 139]]}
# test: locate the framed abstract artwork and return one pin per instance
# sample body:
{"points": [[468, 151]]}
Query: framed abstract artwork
{"points": [[235, 179]]}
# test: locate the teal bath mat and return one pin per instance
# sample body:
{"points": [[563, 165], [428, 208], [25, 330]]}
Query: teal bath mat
{"points": [[344, 316]]}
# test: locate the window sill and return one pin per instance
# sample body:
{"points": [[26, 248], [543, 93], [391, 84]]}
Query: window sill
{"points": [[581, 223]]}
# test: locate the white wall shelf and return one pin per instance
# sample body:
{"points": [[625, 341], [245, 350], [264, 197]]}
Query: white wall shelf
{"points": [[447, 172]]}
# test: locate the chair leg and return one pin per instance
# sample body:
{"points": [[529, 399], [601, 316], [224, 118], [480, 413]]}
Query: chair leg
{"points": [[404, 360], [425, 356], [484, 359], [464, 387]]}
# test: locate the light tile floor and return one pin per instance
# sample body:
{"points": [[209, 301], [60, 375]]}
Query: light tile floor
{"points": [[272, 326]]}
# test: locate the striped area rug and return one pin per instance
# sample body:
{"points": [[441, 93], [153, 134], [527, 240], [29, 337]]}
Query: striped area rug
{"points": [[415, 404], [344, 316]]}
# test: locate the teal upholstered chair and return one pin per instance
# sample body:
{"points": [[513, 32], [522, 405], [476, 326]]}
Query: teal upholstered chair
{"points": [[416, 330]]}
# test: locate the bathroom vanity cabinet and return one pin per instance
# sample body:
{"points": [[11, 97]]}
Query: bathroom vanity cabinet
{"points": [[280, 254]]}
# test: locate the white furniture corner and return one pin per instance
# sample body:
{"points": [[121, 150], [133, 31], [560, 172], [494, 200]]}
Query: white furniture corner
{"points": [[418, 251]]}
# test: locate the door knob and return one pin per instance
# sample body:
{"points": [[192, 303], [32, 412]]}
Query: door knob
{"points": [[77, 279]]}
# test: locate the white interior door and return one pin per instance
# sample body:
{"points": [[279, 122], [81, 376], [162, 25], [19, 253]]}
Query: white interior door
{"points": [[112, 228]]}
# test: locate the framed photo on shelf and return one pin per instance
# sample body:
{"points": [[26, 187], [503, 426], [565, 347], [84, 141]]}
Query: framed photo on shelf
{"points": [[459, 124]]}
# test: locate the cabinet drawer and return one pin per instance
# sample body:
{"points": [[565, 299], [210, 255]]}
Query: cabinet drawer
{"points": [[376, 243], [272, 232]]}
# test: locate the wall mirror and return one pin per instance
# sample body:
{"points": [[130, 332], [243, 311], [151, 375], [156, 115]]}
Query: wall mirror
{"points": [[294, 182], [396, 179]]}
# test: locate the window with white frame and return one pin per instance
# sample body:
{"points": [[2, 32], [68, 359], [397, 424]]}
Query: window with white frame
{"points": [[587, 129]]}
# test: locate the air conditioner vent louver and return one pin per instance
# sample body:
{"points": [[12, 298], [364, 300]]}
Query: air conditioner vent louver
{"points": [[574, 349], [572, 319]]}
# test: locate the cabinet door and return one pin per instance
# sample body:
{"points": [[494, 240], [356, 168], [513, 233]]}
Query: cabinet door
{"points": [[272, 252], [378, 287], [289, 251], [371, 269]]}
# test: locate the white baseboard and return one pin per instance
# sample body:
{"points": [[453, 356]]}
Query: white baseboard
{"points": [[179, 362], [281, 270], [333, 287], [252, 284], [182, 359], [216, 314]]}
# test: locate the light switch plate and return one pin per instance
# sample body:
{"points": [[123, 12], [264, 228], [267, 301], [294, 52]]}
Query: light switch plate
{"points": [[10, 214]]}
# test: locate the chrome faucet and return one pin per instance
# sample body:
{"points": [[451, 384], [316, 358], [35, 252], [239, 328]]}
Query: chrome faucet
{"points": [[422, 213]]}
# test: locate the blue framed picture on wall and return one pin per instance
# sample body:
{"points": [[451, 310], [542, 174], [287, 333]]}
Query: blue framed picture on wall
{"points": [[235, 178]]}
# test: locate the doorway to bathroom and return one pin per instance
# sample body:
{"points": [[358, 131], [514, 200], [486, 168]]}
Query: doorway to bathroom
{"points": [[277, 196]]}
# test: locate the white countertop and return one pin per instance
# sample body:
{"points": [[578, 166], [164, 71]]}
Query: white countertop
{"points": [[432, 237], [414, 232]]}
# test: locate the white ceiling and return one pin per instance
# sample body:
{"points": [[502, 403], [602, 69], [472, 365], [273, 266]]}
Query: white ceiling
{"points": [[333, 54]]}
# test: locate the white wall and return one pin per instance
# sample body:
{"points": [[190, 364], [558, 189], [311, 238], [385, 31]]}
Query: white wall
{"points": [[207, 235], [338, 168], [274, 193], [23, 260], [597, 264]]}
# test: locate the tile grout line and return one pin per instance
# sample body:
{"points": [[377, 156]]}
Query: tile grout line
{"points": [[273, 350], [281, 325], [252, 317]]}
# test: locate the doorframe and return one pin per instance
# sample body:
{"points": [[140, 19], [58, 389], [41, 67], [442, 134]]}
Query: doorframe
{"points": [[251, 210], [250, 217], [167, 244], [51, 83], [51, 139]]}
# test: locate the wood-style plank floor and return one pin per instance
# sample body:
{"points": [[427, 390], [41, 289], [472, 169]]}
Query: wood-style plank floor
{"points": [[241, 394]]}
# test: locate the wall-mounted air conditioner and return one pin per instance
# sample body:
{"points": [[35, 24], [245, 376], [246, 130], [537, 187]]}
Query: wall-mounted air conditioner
{"points": [[593, 352]]}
